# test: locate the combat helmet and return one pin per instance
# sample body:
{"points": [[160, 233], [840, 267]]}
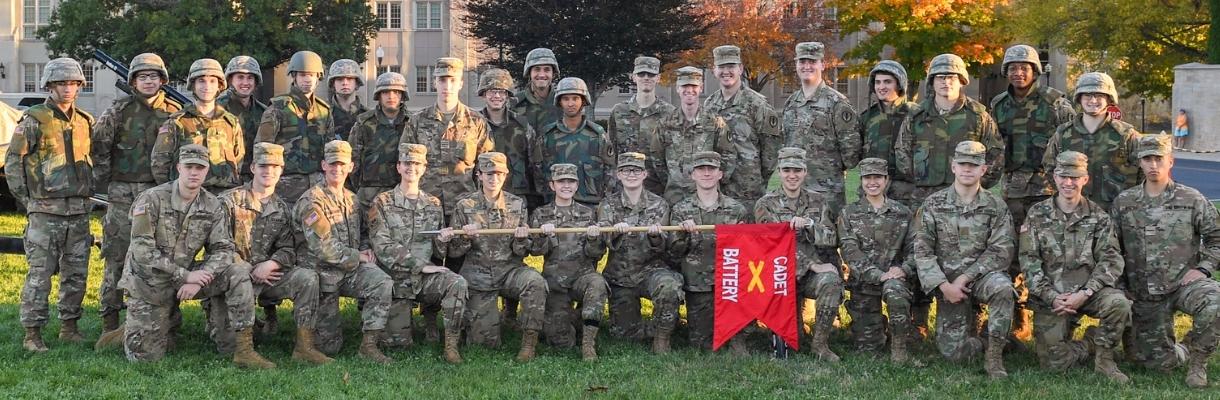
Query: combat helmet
{"points": [[306, 61], [1021, 53], [1095, 82], [62, 69], [540, 56], [391, 81], [572, 85], [206, 67], [244, 64], [344, 68], [146, 62]]}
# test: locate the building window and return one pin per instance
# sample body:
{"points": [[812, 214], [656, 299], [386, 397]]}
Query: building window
{"points": [[31, 74], [88, 69], [839, 78], [423, 79], [428, 14], [388, 68], [627, 89], [35, 14], [389, 15]]}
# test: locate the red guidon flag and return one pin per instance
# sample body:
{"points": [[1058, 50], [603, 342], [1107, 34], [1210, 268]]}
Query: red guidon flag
{"points": [[755, 280]]}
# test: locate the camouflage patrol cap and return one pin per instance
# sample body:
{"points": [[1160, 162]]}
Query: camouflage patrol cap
{"points": [[449, 66], [244, 65], [540, 56], [1095, 82], [60, 70], [1022, 53], [689, 75], [266, 153], [874, 166], [970, 151], [705, 158], [193, 154], [206, 67], [810, 51], [391, 81], [791, 157], [1072, 163], [496, 78], [344, 68], [1154, 145], [647, 64], [493, 161], [338, 151], [631, 159], [146, 62], [949, 64], [727, 54], [564, 171], [411, 152]]}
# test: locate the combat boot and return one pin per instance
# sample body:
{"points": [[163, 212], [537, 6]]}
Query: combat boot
{"points": [[588, 343], [737, 346], [369, 350], [432, 333], [245, 356], [994, 358], [529, 340], [110, 321], [1103, 363], [272, 324], [33, 340], [305, 350], [112, 338], [898, 350], [69, 333], [660, 341], [1196, 369], [452, 338], [820, 345]]}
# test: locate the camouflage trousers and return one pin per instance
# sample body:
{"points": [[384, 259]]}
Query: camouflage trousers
{"points": [[957, 322], [292, 186], [663, 287], [868, 325], [590, 292], [826, 289], [299, 285], [444, 289], [1152, 323], [370, 285], [700, 319], [1053, 333], [523, 284], [116, 237], [149, 320], [55, 244]]}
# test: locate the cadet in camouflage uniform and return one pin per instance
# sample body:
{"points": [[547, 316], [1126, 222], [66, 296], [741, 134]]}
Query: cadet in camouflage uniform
{"points": [[820, 120], [753, 124], [171, 224], [570, 266], [302, 123], [879, 124], [687, 130], [636, 266], [875, 238], [327, 216], [49, 171], [576, 140], [375, 137], [344, 82], [695, 251], [511, 133], [1109, 143], [244, 75], [944, 119], [395, 219], [493, 265], [819, 276], [964, 243], [1170, 236], [205, 123], [536, 99], [634, 124], [1072, 263], [122, 144]]}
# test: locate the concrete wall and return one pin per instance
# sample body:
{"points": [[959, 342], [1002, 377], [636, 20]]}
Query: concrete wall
{"points": [[1194, 89]]}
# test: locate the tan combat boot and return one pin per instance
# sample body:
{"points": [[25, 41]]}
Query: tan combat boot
{"points": [[994, 358], [588, 343], [660, 341], [1103, 363], [245, 356], [33, 340], [68, 332], [1196, 369], [111, 338], [529, 340], [898, 350], [110, 321], [369, 350], [305, 350], [452, 338], [820, 345]]}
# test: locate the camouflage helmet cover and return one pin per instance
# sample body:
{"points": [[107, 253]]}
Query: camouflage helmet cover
{"points": [[206, 67], [1021, 53], [62, 69], [540, 56], [344, 68], [1095, 82], [496, 79], [146, 62], [391, 81], [244, 65], [572, 85], [949, 64]]}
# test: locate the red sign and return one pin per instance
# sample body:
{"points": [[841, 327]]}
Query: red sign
{"points": [[755, 280], [1115, 113]]}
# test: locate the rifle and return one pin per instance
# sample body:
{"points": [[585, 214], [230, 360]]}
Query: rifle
{"points": [[121, 83]]}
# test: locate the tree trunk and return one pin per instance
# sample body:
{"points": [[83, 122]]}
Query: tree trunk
{"points": [[1213, 33]]}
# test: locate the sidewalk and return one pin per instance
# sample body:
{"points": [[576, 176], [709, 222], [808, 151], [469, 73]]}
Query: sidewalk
{"points": [[1188, 155]]}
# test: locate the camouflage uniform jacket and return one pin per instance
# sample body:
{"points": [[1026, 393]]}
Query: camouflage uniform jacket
{"points": [[1113, 164], [1063, 253], [344, 120], [374, 139], [1027, 125], [872, 240], [489, 258], [513, 138], [249, 117], [827, 127], [566, 256], [588, 147], [879, 131], [262, 230], [953, 239], [394, 221], [330, 225], [926, 140], [633, 255], [221, 134], [814, 243], [678, 139], [302, 125], [453, 147], [41, 175], [166, 234], [123, 139], [1164, 237], [754, 129], [696, 252], [633, 129], [538, 112]]}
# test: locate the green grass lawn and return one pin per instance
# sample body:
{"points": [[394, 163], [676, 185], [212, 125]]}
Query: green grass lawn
{"points": [[626, 369]]}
